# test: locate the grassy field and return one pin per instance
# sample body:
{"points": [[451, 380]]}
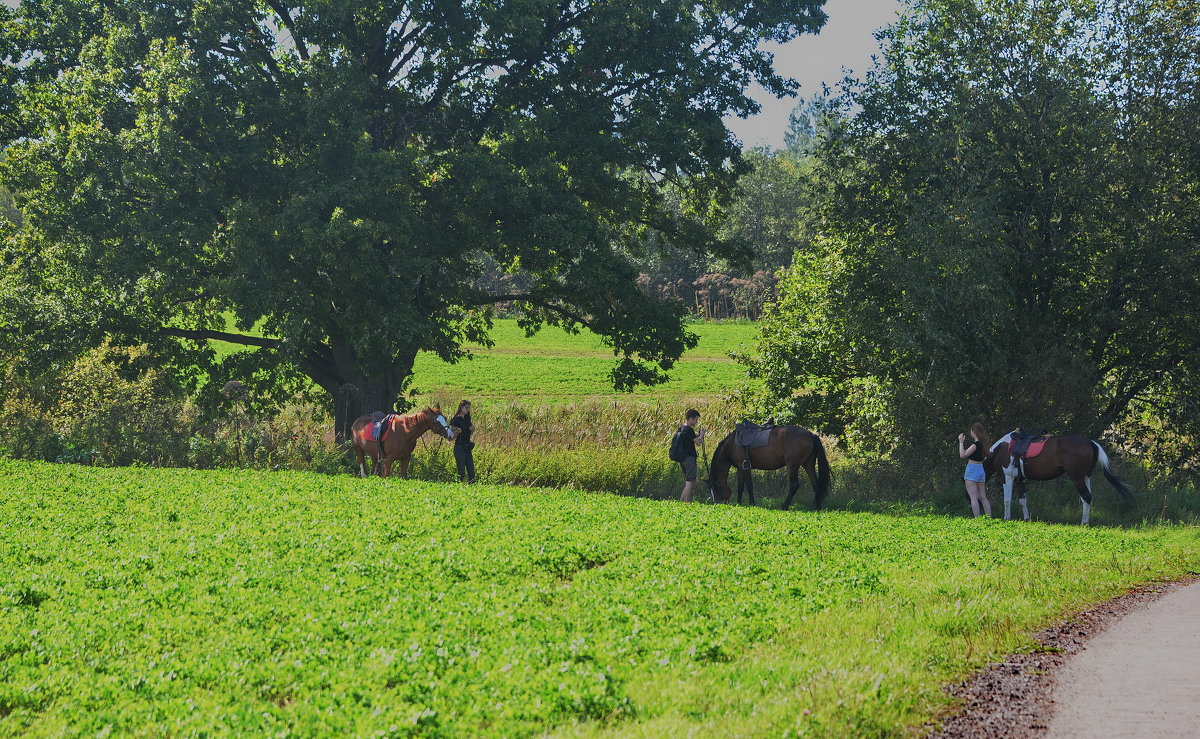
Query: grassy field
{"points": [[556, 367], [176, 602], [546, 415]]}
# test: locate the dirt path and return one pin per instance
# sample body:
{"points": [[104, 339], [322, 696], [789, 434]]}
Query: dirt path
{"points": [[1138, 678], [1129, 667]]}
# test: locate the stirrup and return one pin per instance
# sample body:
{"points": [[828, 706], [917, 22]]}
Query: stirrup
{"points": [[746, 465]]}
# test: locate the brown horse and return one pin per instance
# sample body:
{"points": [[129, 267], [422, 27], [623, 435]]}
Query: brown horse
{"points": [[789, 446], [400, 434], [1069, 454]]}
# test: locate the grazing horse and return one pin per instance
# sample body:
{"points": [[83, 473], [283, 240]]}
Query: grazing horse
{"points": [[789, 446], [1069, 454], [399, 436]]}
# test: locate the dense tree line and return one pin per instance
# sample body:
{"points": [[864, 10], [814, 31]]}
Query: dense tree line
{"points": [[1006, 213], [998, 221], [341, 177]]}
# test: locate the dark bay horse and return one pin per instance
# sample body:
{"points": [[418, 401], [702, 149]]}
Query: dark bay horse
{"points": [[790, 446], [1069, 454], [400, 434]]}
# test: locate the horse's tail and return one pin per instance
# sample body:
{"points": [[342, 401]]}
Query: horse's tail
{"points": [[1121, 486], [822, 471]]}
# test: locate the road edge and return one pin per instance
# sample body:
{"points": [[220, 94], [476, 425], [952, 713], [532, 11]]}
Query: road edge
{"points": [[1014, 698]]}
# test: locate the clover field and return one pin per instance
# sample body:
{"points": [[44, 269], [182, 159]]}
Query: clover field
{"points": [[232, 603]]}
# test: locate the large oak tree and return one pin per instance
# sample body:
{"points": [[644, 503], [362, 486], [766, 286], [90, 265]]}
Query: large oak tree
{"points": [[337, 175]]}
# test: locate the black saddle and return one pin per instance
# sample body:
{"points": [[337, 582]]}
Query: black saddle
{"points": [[1021, 441], [751, 435]]}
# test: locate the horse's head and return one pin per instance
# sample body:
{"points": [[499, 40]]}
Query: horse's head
{"points": [[440, 425], [718, 474]]}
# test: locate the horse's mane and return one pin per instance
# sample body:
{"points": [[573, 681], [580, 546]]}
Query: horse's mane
{"points": [[409, 420]]}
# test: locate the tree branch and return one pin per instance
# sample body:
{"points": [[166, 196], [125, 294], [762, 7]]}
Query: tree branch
{"points": [[291, 27], [524, 298], [206, 334]]}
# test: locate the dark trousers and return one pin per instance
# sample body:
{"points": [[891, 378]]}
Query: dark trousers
{"points": [[465, 462]]}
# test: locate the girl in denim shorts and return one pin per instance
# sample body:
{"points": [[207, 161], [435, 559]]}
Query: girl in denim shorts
{"points": [[974, 477]]}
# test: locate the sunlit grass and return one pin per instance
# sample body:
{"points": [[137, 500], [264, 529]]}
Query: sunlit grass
{"points": [[177, 602]]}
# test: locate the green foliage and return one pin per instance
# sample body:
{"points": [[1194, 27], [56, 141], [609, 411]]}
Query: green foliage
{"points": [[112, 406], [1008, 224], [234, 603], [109, 407], [344, 178]]}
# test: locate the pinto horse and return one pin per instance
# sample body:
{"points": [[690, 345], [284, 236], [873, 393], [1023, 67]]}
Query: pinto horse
{"points": [[1069, 454], [789, 446], [398, 439]]}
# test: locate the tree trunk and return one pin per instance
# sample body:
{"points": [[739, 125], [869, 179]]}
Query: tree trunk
{"points": [[356, 393]]}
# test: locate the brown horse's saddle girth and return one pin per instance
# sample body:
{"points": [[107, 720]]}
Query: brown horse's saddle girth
{"points": [[751, 436]]}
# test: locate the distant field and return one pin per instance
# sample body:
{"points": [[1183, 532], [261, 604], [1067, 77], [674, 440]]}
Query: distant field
{"points": [[556, 366], [156, 602]]}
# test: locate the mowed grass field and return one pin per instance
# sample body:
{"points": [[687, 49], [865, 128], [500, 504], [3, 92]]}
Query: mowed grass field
{"points": [[239, 603], [556, 367]]}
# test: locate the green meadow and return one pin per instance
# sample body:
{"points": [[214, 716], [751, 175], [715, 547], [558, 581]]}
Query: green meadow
{"points": [[159, 602], [546, 414], [556, 366]]}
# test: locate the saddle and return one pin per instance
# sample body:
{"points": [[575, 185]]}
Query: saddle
{"points": [[752, 435], [379, 428], [1027, 445], [749, 436]]}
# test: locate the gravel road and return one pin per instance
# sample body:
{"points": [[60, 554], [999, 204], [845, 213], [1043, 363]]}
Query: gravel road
{"points": [[1129, 667]]}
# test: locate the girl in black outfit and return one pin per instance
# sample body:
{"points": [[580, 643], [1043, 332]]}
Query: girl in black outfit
{"points": [[974, 477], [462, 442]]}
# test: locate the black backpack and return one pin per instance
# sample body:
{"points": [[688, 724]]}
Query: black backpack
{"points": [[675, 453]]}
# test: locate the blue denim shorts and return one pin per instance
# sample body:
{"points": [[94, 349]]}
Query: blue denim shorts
{"points": [[974, 472]]}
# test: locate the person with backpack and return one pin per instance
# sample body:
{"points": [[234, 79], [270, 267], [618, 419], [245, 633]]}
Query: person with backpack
{"points": [[683, 450]]}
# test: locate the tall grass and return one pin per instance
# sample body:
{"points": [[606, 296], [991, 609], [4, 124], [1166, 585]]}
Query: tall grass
{"points": [[587, 438], [621, 446], [601, 445]]}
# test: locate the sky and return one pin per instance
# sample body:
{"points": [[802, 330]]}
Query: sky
{"points": [[845, 41]]}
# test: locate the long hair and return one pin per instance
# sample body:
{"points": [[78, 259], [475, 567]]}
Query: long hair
{"points": [[461, 405], [982, 438]]}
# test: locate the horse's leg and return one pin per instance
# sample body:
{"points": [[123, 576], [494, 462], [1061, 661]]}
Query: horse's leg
{"points": [[811, 468], [376, 468], [358, 453], [1023, 498], [794, 484], [386, 460], [1084, 487], [750, 486], [404, 465], [741, 480], [1009, 476]]}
